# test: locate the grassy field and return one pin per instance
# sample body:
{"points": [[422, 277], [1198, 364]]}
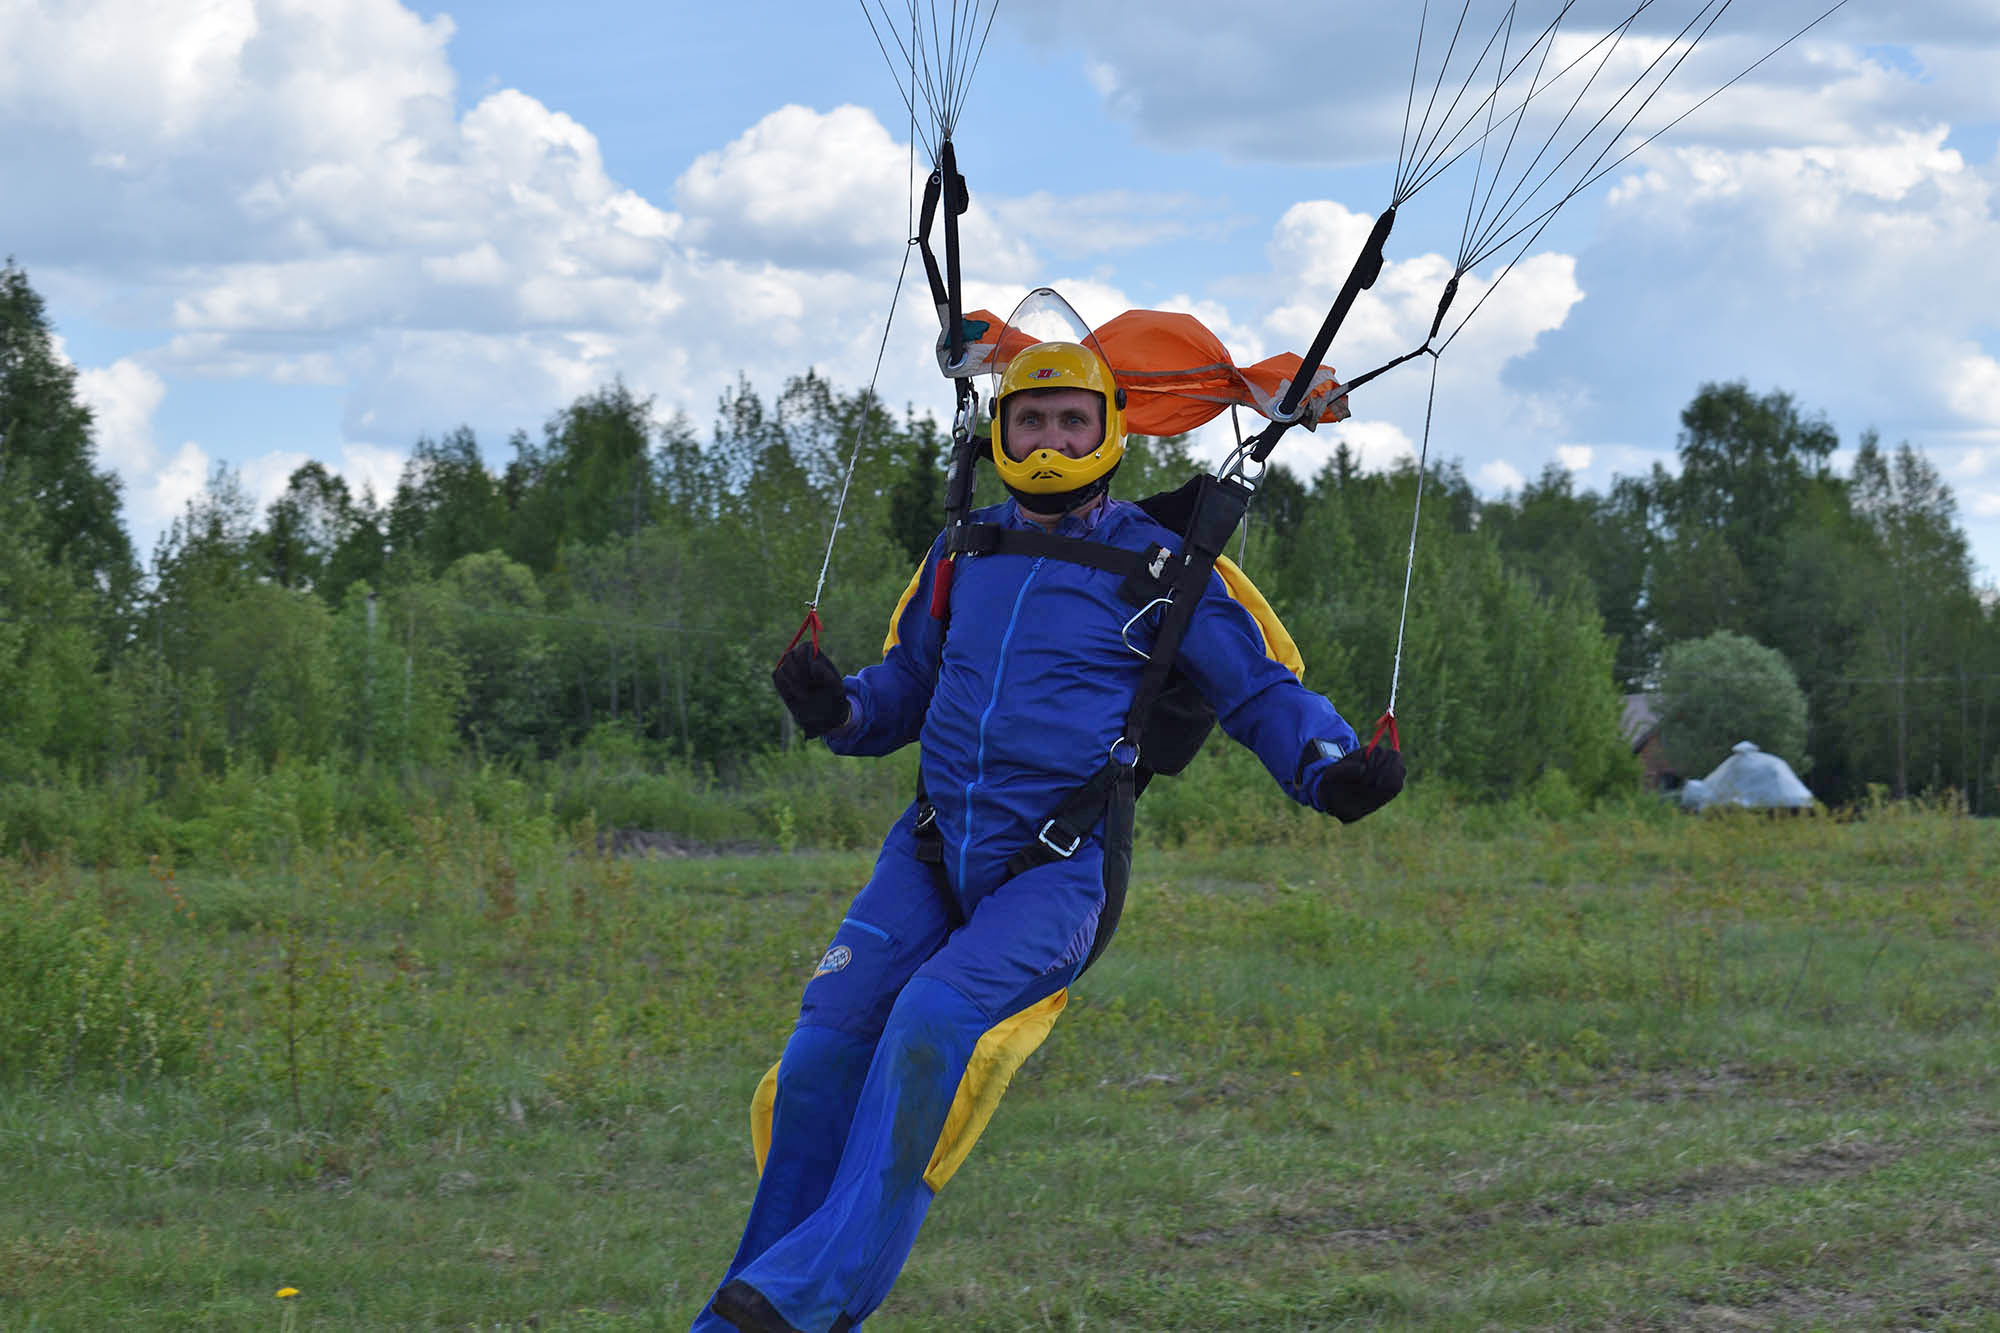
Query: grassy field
{"points": [[1446, 1069]]}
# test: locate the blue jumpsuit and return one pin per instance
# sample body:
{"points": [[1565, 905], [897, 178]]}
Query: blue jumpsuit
{"points": [[1017, 699]]}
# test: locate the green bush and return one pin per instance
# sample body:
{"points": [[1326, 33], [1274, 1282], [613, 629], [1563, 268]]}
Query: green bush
{"points": [[1727, 688], [78, 1002]]}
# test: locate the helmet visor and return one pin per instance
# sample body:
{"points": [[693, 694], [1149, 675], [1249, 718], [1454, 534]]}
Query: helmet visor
{"points": [[1043, 316]]}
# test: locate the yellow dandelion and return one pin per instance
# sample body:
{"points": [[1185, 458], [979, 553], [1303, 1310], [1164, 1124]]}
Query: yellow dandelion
{"points": [[286, 1293]]}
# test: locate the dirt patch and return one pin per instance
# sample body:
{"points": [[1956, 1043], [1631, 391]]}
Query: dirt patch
{"points": [[1337, 1228], [645, 844], [1809, 1308]]}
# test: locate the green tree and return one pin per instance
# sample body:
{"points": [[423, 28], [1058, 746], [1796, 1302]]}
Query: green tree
{"points": [[58, 708], [403, 682], [47, 453], [1597, 546], [249, 662], [317, 536], [1748, 463], [1725, 688], [1921, 617], [446, 504], [500, 634], [592, 477], [916, 496]]}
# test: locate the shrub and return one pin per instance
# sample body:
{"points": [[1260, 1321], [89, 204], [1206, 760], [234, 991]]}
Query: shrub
{"points": [[1727, 688], [77, 1002]]}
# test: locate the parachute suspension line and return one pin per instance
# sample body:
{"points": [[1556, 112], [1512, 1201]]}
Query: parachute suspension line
{"points": [[1410, 564], [812, 620], [1479, 169], [1443, 67], [1489, 234], [861, 427], [940, 59], [1413, 175], [1410, 102], [1488, 246], [910, 90], [1534, 227], [1470, 246], [1599, 168]]}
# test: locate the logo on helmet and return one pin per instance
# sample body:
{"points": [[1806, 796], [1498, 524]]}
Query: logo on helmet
{"points": [[1045, 373]]}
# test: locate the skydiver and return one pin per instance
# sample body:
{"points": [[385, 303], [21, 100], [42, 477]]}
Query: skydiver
{"points": [[1017, 695]]}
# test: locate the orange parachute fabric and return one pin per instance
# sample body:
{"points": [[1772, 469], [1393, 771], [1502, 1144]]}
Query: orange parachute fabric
{"points": [[1175, 372]]}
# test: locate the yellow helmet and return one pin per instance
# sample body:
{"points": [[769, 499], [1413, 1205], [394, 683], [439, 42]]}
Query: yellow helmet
{"points": [[1046, 481]]}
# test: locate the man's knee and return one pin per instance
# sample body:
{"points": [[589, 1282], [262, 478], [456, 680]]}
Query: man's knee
{"points": [[822, 1068]]}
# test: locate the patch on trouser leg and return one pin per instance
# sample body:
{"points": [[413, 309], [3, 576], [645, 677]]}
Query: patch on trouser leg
{"points": [[995, 1060], [857, 1239]]}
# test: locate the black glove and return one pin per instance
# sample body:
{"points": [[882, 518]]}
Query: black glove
{"points": [[1361, 782], [813, 688]]}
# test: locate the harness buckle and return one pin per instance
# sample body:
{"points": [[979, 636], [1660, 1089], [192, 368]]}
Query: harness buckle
{"points": [[1075, 841]]}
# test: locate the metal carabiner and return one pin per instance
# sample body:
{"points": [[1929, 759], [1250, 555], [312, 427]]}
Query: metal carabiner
{"points": [[1237, 466], [967, 417], [1125, 630]]}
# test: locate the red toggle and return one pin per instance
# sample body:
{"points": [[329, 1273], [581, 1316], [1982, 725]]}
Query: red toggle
{"points": [[1387, 722], [941, 589], [811, 622]]}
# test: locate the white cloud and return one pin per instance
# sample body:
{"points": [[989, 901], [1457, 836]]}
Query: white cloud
{"points": [[1972, 387], [264, 477], [1106, 221], [802, 187], [1177, 76], [370, 468], [1379, 445], [164, 495], [1499, 476], [122, 398], [291, 188]]}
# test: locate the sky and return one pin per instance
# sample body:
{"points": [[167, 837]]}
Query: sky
{"points": [[271, 231]]}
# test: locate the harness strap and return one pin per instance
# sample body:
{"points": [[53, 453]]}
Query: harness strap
{"points": [[1064, 831], [996, 539], [1218, 508], [1111, 793]]}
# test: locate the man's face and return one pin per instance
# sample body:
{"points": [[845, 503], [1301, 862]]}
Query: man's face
{"points": [[1069, 421]]}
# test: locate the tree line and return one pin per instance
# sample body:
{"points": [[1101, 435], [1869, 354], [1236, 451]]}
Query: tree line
{"points": [[631, 572]]}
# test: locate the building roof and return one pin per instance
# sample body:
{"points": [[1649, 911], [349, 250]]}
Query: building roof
{"points": [[1640, 720]]}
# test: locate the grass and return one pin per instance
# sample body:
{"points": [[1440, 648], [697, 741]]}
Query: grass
{"points": [[1451, 1068]]}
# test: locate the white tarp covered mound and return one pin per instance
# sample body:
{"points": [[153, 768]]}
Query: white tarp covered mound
{"points": [[1749, 778]]}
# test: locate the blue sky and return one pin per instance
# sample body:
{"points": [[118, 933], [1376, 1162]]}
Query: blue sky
{"points": [[272, 230]]}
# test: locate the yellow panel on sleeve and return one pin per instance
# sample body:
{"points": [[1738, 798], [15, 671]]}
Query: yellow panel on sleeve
{"points": [[992, 1067], [896, 616], [1278, 645]]}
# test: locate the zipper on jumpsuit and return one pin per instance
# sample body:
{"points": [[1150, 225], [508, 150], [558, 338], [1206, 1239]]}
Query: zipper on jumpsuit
{"points": [[992, 702]]}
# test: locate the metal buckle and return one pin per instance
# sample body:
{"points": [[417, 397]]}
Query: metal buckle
{"points": [[1064, 852]]}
